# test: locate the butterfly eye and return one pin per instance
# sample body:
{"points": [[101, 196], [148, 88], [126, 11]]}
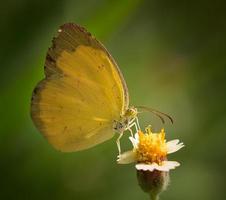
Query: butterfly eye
{"points": [[118, 126]]}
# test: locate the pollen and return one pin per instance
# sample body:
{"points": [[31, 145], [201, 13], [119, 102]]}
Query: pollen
{"points": [[151, 147]]}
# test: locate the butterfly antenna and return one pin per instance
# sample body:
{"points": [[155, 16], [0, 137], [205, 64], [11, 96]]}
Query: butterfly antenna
{"points": [[156, 112]]}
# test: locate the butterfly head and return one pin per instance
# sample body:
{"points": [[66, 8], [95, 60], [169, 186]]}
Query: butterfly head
{"points": [[125, 120]]}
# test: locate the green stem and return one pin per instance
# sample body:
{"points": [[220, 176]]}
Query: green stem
{"points": [[154, 196]]}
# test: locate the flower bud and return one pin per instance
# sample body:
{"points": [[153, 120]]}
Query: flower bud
{"points": [[153, 182]]}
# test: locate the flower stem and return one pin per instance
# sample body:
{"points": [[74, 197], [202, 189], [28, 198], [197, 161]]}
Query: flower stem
{"points": [[154, 196]]}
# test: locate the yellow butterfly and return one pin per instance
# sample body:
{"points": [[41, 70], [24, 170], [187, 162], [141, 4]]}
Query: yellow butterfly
{"points": [[83, 99]]}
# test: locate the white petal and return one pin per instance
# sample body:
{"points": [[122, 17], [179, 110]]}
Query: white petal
{"points": [[137, 137], [127, 157], [170, 164], [163, 168], [173, 146], [173, 142], [146, 167], [134, 142], [166, 166]]}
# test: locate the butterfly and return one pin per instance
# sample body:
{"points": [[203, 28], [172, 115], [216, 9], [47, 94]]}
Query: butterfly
{"points": [[83, 99]]}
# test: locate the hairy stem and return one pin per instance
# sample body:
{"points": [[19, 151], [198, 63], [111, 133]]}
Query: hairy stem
{"points": [[154, 196]]}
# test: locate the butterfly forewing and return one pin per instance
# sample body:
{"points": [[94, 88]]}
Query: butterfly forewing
{"points": [[82, 94]]}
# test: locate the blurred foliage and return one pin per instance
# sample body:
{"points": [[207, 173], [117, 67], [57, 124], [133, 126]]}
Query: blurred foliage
{"points": [[172, 54]]}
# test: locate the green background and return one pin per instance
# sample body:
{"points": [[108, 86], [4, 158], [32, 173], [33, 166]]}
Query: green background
{"points": [[173, 57]]}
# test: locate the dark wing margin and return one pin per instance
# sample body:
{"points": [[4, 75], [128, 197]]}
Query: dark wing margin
{"points": [[71, 33]]}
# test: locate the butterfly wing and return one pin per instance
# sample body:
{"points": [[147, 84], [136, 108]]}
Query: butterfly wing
{"points": [[82, 94]]}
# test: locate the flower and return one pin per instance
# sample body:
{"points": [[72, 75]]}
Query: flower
{"points": [[150, 151]]}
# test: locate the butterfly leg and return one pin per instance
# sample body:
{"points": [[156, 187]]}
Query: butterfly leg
{"points": [[133, 124], [118, 143], [131, 132], [138, 124]]}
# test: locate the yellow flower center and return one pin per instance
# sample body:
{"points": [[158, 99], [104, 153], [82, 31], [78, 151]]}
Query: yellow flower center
{"points": [[151, 147]]}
